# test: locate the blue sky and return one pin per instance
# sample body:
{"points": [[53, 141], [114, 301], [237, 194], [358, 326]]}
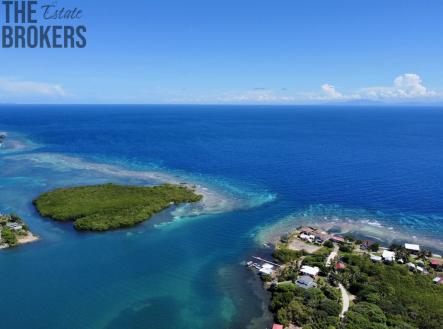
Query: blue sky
{"points": [[282, 52]]}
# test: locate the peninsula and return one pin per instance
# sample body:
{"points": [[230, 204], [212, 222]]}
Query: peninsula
{"points": [[323, 280], [14, 231], [111, 206]]}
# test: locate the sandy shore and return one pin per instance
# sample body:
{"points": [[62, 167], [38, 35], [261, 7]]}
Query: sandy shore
{"points": [[29, 238]]}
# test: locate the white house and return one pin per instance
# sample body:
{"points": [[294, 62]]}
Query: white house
{"points": [[266, 269], [376, 259], [14, 226], [307, 237], [309, 270], [412, 247], [388, 256]]}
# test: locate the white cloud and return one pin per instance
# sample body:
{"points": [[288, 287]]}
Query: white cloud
{"points": [[14, 87], [405, 86], [331, 92], [257, 95], [408, 86]]}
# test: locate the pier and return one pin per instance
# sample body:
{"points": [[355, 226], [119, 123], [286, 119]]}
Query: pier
{"points": [[266, 261]]}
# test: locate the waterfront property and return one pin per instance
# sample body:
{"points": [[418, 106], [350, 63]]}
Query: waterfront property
{"points": [[312, 235], [14, 231], [277, 326], [307, 230], [266, 269], [413, 248], [14, 226]]}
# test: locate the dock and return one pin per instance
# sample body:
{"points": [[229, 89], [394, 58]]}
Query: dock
{"points": [[266, 261]]}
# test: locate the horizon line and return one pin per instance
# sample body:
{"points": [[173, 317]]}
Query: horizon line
{"points": [[233, 104]]}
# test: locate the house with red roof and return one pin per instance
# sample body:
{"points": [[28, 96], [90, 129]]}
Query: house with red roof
{"points": [[436, 263], [337, 239], [277, 326], [340, 266], [306, 230]]}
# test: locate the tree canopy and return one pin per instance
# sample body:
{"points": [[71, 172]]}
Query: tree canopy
{"points": [[111, 206]]}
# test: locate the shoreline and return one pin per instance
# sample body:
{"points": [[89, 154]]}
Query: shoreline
{"points": [[22, 240], [219, 196], [360, 223], [29, 238], [215, 200], [318, 260]]}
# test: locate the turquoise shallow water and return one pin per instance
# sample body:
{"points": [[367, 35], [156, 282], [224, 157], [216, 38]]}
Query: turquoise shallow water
{"points": [[263, 170]]}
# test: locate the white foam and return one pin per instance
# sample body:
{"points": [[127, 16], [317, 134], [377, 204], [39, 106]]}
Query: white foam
{"points": [[15, 143]]}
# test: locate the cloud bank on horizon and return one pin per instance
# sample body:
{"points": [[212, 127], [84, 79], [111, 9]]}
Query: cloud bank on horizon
{"points": [[405, 88], [24, 89]]}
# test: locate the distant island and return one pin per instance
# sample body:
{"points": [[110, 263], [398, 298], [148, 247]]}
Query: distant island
{"points": [[2, 138], [323, 280], [14, 231], [111, 206]]}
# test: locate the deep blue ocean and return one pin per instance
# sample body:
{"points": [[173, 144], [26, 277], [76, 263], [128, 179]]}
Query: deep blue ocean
{"points": [[371, 171]]}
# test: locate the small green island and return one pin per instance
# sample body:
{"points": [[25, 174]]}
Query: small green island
{"points": [[111, 206]]}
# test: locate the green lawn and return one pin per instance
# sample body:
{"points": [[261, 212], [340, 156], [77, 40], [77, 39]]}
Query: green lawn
{"points": [[111, 206]]}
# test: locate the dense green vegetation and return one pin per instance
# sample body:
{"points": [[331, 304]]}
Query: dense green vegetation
{"points": [[310, 308], [318, 259], [8, 236], [375, 247], [285, 255], [390, 296], [111, 206]]}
